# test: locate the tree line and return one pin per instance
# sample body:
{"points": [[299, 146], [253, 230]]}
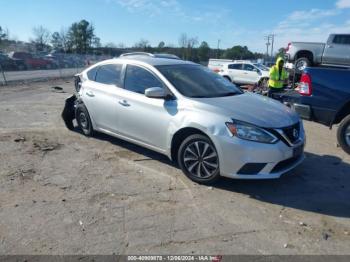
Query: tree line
{"points": [[80, 38]]}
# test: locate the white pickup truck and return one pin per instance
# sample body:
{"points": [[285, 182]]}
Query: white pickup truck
{"points": [[336, 52]]}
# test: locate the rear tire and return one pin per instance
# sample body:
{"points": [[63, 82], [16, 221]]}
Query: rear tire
{"points": [[83, 119], [343, 134], [199, 160], [301, 63]]}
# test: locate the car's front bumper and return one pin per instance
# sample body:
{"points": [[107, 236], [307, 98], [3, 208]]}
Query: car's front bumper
{"points": [[268, 160]]}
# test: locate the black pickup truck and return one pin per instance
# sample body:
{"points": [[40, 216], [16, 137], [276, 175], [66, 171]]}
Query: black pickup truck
{"points": [[323, 95]]}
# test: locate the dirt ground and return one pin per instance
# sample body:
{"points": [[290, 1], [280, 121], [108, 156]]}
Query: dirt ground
{"points": [[63, 193]]}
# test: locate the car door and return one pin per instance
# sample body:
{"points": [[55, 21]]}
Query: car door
{"points": [[144, 119], [250, 74], [101, 95], [235, 72], [337, 50]]}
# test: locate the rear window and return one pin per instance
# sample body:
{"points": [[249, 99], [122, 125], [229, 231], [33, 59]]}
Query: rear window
{"points": [[109, 74], [342, 39]]}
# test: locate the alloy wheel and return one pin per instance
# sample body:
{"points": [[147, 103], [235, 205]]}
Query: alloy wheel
{"points": [[301, 65], [200, 159], [83, 121]]}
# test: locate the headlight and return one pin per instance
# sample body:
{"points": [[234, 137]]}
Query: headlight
{"points": [[252, 133]]}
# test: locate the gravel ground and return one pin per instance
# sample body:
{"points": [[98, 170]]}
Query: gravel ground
{"points": [[63, 193]]}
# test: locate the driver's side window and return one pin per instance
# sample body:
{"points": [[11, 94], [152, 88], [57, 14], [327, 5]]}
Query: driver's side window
{"points": [[138, 79]]}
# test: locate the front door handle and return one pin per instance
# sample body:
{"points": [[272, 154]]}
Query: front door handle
{"points": [[329, 46], [124, 103], [90, 93]]}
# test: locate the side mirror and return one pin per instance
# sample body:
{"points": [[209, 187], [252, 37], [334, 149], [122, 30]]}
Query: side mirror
{"points": [[155, 92]]}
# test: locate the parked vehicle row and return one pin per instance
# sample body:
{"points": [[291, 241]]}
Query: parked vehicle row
{"points": [[185, 111], [41, 60], [7, 63]]}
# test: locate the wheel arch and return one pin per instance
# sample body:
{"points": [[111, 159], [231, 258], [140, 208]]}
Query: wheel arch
{"points": [[341, 114], [227, 77], [305, 53], [180, 136]]}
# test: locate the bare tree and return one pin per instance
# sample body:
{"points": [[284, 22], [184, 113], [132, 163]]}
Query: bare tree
{"points": [[41, 37], [110, 45], [121, 45], [142, 44], [183, 42], [64, 39], [192, 42]]}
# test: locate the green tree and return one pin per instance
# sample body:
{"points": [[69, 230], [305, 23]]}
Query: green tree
{"points": [[56, 41], [238, 52], [203, 51], [80, 37], [161, 45]]}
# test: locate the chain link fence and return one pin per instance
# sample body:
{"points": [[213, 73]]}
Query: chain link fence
{"points": [[21, 65]]}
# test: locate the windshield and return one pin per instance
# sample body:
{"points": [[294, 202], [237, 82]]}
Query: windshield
{"points": [[262, 67], [198, 81]]}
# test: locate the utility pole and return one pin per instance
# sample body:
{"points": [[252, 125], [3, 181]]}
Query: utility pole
{"points": [[272, 40], [217, 51], [267, 46]]}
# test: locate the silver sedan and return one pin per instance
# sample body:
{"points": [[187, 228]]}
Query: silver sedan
{"points": [[197, 118]]}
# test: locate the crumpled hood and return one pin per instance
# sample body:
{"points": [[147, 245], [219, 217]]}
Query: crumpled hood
{"points": [[251, 108]]}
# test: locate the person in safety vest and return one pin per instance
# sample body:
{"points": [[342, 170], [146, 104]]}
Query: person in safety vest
{"points": [[278, 77]]}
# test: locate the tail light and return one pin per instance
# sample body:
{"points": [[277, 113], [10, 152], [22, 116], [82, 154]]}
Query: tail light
{"points": [[288, 47], [305, 86]]}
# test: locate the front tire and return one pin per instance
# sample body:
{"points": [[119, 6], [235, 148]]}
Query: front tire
{"points": [[83, 119], [343, 134], [198, 159]]}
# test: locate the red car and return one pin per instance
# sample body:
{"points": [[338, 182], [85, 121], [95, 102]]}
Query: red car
{"points": [[33, 61]]}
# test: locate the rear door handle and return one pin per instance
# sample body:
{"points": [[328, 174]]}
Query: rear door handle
{"points": [[90, 93], [124, 103]]}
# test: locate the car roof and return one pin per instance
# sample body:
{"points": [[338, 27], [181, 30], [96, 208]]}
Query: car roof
{"points": [[155, 61]]}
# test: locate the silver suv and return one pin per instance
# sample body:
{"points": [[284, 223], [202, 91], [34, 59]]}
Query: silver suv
{"points": [[197, 118]]}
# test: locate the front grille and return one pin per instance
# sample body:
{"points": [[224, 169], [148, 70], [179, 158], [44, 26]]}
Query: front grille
{"points": [[292, 132]]}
